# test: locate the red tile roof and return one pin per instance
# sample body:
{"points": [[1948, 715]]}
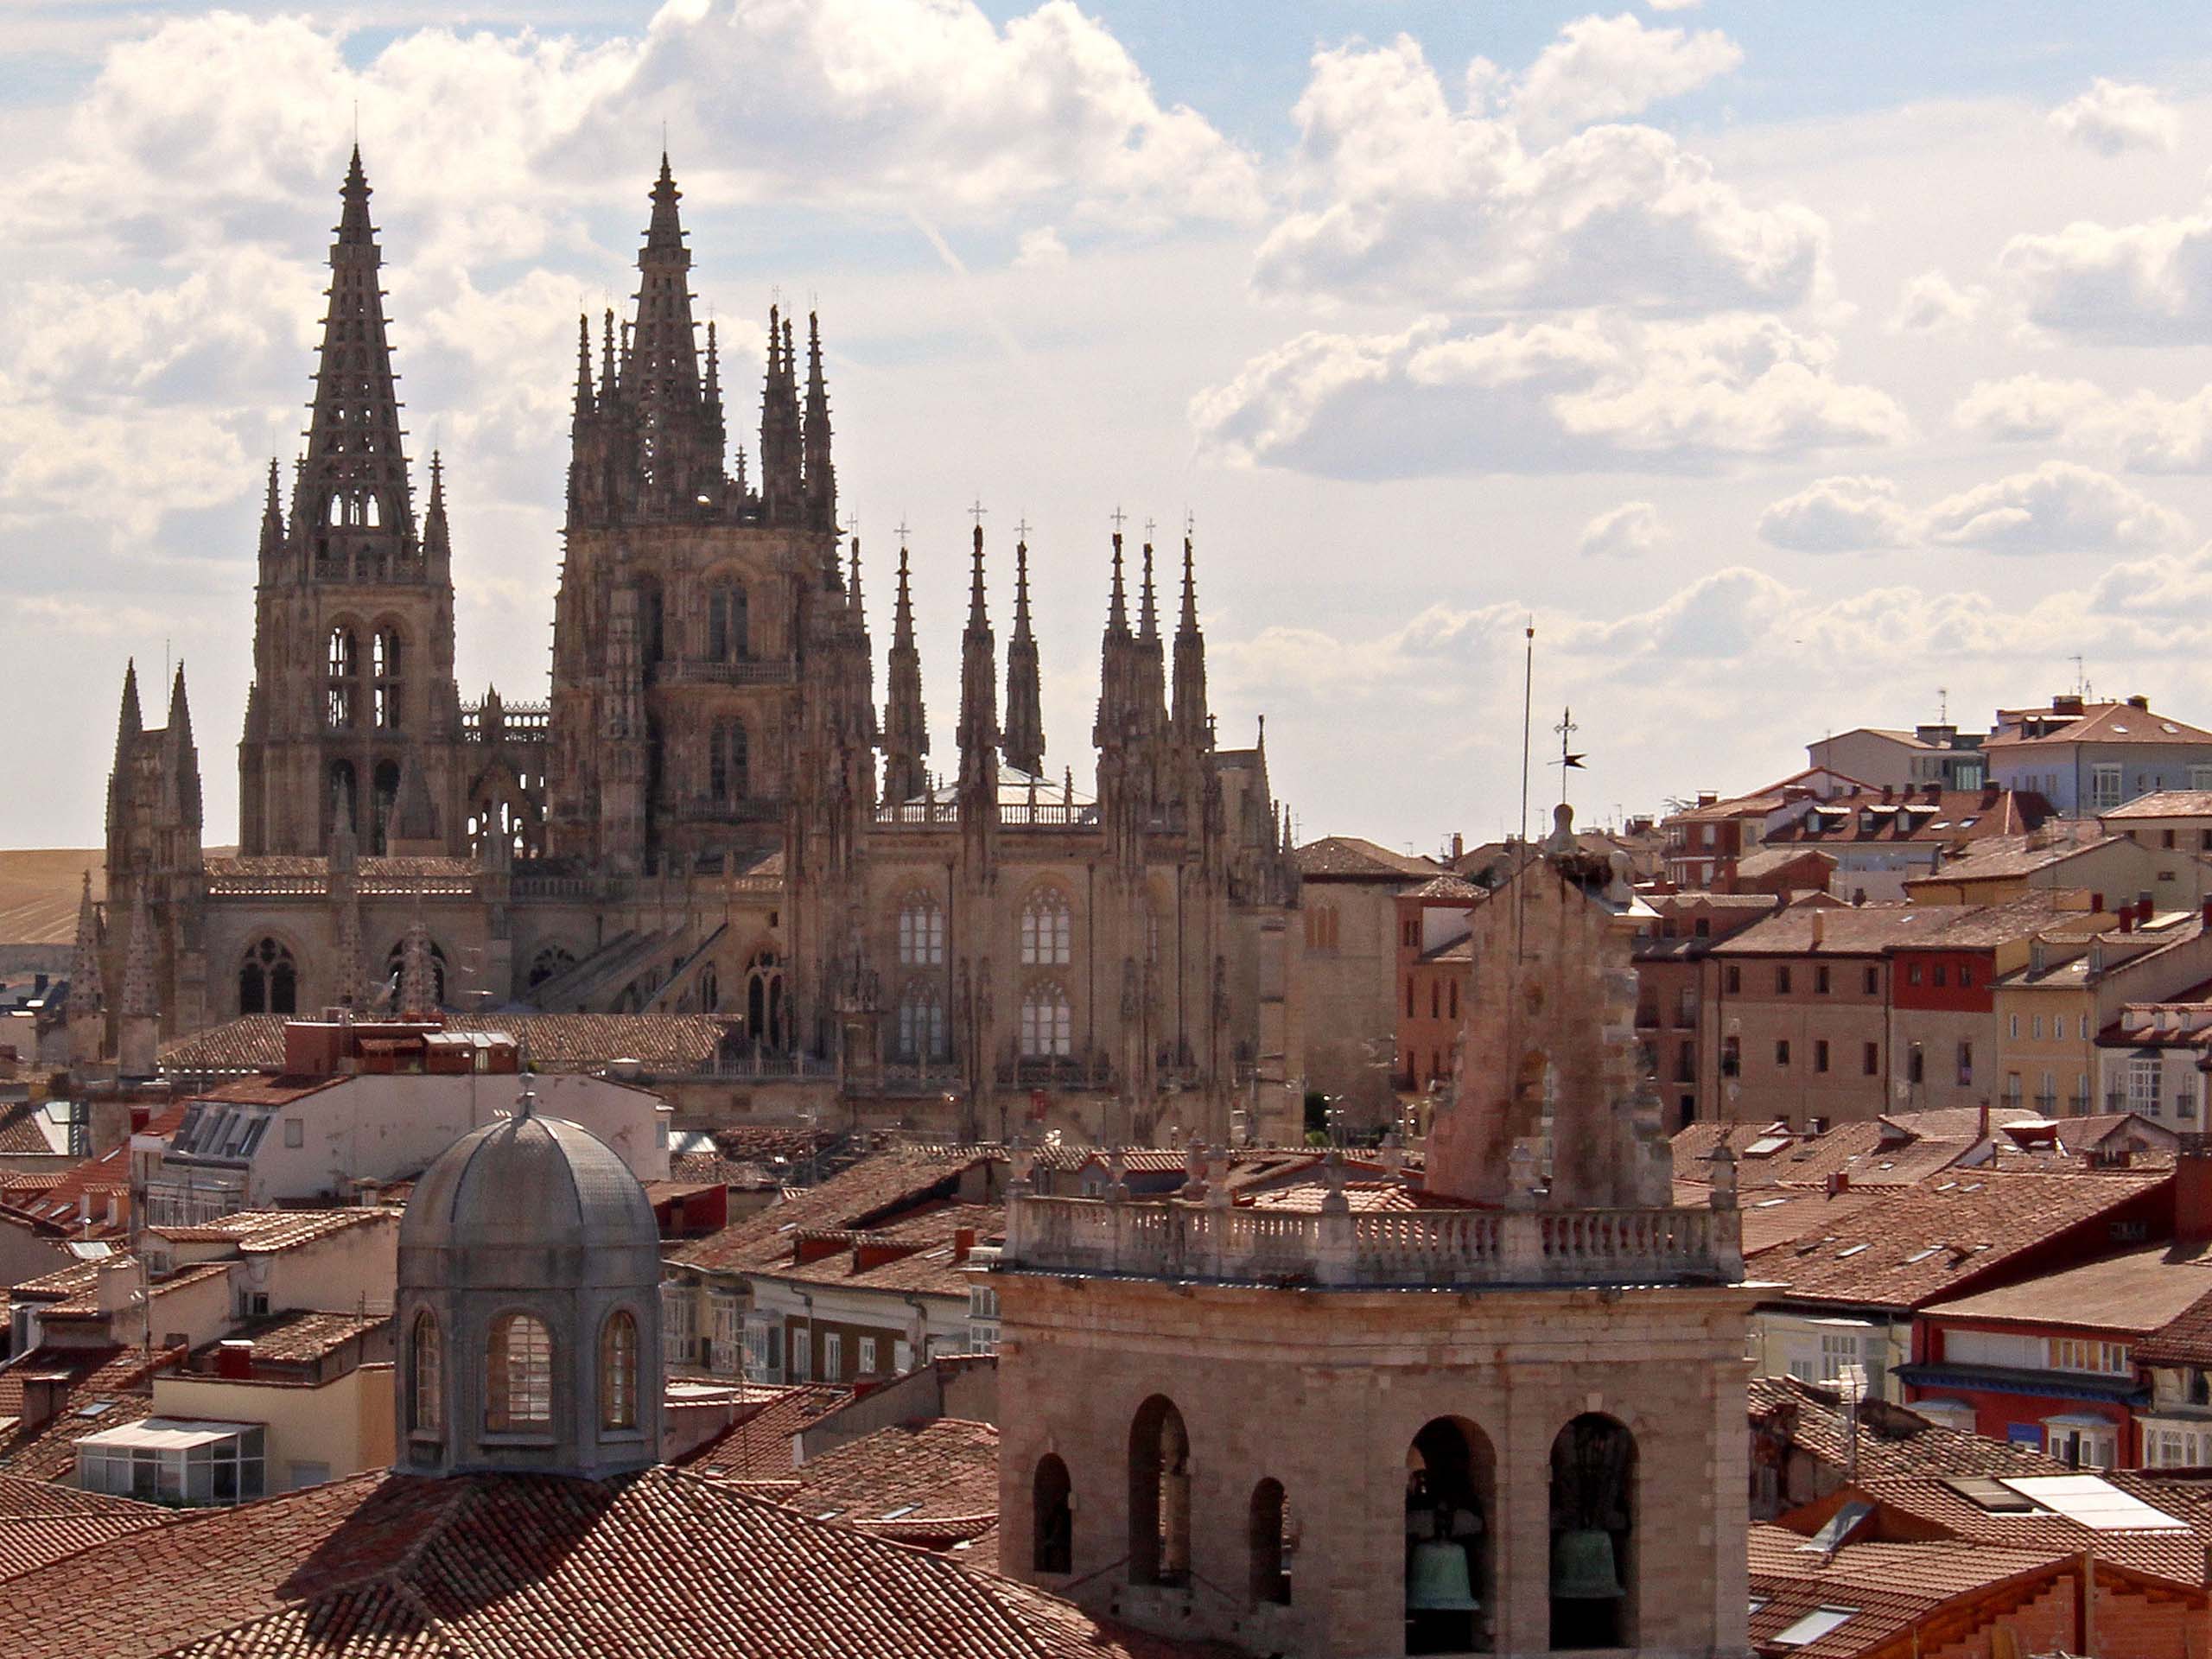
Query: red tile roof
{"points": [[665, 1043], [1943, 1237], [877, 1189], [758, 1444], [931, 1470], [658, 1563], [1888, 1441], [1342, 856], [2132, 1295], [2106, 722], [111, 1388], [1887, 1587]]}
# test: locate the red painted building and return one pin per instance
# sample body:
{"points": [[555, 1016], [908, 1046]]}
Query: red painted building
{"points": [[1433, 962]]}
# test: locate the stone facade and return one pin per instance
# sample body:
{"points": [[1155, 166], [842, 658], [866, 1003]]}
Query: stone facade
{"points": [[708, 814]]}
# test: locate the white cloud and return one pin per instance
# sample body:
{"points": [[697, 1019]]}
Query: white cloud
{"points": [[2146, 432], [204, 125], [1405, 200], [1673, 5], [1631, 530], [2143, 284], [1603, 68], [1840, 515], [1041, 250], [2057, 508], [1585, 393], [1931, 302], [2114, 116]]}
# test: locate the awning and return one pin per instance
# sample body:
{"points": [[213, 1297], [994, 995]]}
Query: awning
{"points": [[168, 1434]]}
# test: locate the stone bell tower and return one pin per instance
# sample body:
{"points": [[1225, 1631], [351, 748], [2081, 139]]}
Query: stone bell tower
{"points": [[1508, 1421]]}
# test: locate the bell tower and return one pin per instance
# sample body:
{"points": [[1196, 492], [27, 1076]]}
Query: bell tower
{"points": [[353, 629], [1511, 1425]]}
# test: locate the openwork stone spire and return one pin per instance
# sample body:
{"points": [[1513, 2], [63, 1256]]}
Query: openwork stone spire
{"points": [[418, 996], [86, 990], [1190, 714], [352, 484]]}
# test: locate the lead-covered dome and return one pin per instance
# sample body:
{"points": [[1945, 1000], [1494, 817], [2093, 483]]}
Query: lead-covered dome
{"points": [[529, 1182]]}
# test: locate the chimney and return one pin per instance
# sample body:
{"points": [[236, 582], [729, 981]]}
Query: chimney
{"points": [[114, 1282], [1459, 846], [2127, 919], [234, 1359], [2139, 702], [2097, 903], [1839, 1181], [963, 1242], [2143, 911], [1982, 1132], [45, 1393], [1820, 927], [2192, 1197], [2207, 912]]}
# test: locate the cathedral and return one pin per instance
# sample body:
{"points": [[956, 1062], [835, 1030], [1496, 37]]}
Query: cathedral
{"points": [[707, 814]]}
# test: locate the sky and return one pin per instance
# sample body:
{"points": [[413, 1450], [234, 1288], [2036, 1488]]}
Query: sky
{"points": [[1789, 368]]}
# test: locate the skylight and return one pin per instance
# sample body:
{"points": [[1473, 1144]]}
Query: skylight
{"points": [[1922, 1255], [2094, 1503], [1811, 1628], [903, 1509], [1845, 1253]]}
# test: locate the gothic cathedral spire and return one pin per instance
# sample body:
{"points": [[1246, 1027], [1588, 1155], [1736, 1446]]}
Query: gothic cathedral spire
{"points": [[1025, 718], [1189, 717], [979, 698], [906, 732], [354, 479], [821, 476]]}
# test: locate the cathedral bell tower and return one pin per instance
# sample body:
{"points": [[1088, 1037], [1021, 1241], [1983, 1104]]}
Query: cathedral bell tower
{"points": [[353, 630]]}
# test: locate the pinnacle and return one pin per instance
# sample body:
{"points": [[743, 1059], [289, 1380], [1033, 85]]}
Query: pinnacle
{"points": [[1189, 622], [1147, 607], [1117, 610]]}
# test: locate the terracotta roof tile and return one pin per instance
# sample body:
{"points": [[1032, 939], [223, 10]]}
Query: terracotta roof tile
{"points": [[1889, 1440], [758, 1444], [666, 1042], [536, 1565], [929, 1470], [1888, 1587], [300, 1336], [884, 1185], [2136, 1293], [1350, 856], [1939, 1238]]}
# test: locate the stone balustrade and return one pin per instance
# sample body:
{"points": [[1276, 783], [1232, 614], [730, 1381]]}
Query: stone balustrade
{"points": [[1176, 1239]]}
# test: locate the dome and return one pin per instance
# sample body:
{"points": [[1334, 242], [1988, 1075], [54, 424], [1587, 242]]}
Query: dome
{"points": [[532, 1200]]}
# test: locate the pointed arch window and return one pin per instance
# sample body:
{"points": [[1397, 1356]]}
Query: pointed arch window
{"points": [[729, 763], [343, 667], [729, 623], [384, 678], [269, 980], [921, 1022], [1046, 928], [426, 1374], [384, 791], [1048, 1022], [618, 1372], [921, 931], [518, 1376]]}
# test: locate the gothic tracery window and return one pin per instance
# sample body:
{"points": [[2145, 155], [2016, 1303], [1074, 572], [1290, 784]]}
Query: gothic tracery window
{"points": [[728, 763], [1046, 927], [921, 1022], [1048, 1022], [344, 669], [921, 931], [269, 980], [518, 1376], [729, 623], [384, 677]]}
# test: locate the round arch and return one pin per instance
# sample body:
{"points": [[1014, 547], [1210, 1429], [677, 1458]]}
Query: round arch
{"points": [[1594, 1525], [1160, 1494], [1451, 1479]]}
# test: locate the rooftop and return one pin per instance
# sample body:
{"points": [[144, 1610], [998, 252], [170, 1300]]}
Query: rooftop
{"points": [[2133, 1295], [661, 1043], [518, 1564], [1943, 1236], [1349, 857]]}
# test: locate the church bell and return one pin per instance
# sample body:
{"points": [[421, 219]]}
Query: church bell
{"points": [[1437, 1582], [1583, 1568]]}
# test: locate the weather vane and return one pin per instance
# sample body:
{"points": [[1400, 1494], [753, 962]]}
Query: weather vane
{"points": [[1569, 760]]}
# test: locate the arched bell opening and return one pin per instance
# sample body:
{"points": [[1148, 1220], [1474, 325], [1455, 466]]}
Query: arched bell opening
{"points": [[1593, 1535], [1159, 1494], [1270, 1545], [1451, 1494], [1051, 1504]]}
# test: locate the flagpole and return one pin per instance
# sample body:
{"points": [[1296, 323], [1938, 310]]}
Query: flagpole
{"points": [[1527, 687]]}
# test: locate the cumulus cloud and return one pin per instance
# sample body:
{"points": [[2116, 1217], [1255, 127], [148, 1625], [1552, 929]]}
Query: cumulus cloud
{"points": [[1404, 199], [1603, 68], [1840, 515], [1631, 530], [1586, 391], [2059, 507], [2144, 284], [2115, 115], [2146, 432], [1931, 302], [1041, 250], [894, 104]]}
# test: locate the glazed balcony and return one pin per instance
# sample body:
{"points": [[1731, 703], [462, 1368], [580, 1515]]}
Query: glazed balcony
{"points": [[1221, 1244]]}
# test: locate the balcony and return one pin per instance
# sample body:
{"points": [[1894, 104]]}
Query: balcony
{"points": [[1173, 1239], [749, 671]]}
